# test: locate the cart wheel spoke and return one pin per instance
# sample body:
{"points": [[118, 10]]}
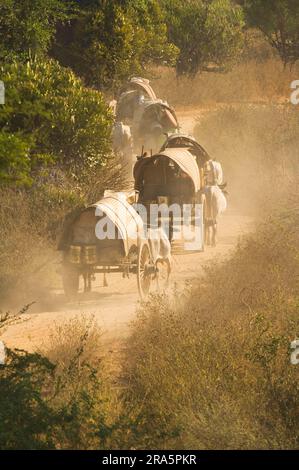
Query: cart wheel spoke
{"points": [[144, 273]]}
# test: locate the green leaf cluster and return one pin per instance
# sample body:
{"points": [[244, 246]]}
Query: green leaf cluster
{"points": [[209, 34], [50, 118], [279, 21]]}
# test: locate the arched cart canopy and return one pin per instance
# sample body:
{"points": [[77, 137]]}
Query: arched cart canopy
{"points": [[185, 160], [158, 112], [123, 216], [142, 85], [184, 140]]}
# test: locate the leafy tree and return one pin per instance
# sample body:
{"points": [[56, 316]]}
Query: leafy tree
{"points": [[207, 33], [279, 21], [14, 159], [150, 19], [110, 40], [28, 26], [49, 117], [26, 420]]}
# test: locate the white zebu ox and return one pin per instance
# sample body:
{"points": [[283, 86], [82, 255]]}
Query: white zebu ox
{"points": [[161, 254], [159, 244], [216, 202], [122, 143]]}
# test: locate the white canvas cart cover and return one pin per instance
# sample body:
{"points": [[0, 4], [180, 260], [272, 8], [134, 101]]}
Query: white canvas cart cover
{"points": [[160, 110], [144, 85], [186, 140], [185, 160], [123, 216]]}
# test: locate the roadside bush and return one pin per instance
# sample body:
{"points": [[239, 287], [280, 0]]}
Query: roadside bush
{"points": [[29, 223], [26, 418], [58, 403], [211, 368], [15, 156], [53, 116], [108, 42], [216, 29]]}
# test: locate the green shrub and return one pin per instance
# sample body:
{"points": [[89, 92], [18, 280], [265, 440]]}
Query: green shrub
{"points": [[25, 417], [61, 403], [62, 122], [28, 27], [14, 159], [107, 42], [205, 32]]}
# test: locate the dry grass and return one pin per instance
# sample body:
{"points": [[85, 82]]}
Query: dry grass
{"points": [[251, 81], [61, 397], [29, 223], [257, 145], [65, 340], [212, 370]]}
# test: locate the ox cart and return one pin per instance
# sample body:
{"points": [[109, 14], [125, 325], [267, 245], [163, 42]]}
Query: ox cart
{"points": [[152, 121], [109, 237], [131, 94], [140, 85], [179, 140], [213, 197], [172, 179]]}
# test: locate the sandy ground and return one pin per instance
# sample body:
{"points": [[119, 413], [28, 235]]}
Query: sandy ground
{"points": [[115, 306]]}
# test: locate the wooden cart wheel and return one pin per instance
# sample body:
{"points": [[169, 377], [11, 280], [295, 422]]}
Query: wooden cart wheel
{"points": [[144, 273], [163, 273], [70, 280]]}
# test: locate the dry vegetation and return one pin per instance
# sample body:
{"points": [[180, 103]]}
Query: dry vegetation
{"points": [[250, 81], [257, 145], [31, 224], [213, 371], [210, 371], [61, 397]]}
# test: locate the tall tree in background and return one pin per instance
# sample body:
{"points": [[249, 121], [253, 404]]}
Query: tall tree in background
{"points": [[106, 41], [208, 33], [27, 27], [111, 40], [279, 21]]}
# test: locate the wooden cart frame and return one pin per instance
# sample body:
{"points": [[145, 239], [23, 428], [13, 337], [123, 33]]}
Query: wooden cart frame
{"points": [[85, 255]]}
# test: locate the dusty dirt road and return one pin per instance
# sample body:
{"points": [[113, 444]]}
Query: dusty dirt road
{"points": [[115, 306]]}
